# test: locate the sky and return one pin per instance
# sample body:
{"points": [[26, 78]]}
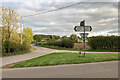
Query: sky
{"points": [[101, 16]]}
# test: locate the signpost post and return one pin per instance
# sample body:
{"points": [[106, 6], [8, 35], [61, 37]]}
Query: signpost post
{"points": [[84, 36], [83, 28]]}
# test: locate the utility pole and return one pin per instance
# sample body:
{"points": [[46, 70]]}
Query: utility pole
{"points": [[21, 32]]}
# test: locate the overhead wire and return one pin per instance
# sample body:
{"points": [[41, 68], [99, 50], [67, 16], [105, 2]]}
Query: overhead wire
{"points": [[54, 9]]}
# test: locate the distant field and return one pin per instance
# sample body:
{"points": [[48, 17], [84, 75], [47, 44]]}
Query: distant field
{"points": [[81, 46], [65, 58]]}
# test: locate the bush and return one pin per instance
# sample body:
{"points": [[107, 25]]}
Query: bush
{"points": [[104, 42], [54, 43], [67, 43], [33, 42]]}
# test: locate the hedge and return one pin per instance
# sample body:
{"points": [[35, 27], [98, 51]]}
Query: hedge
{"points": [[67, 43], [104, 42]]}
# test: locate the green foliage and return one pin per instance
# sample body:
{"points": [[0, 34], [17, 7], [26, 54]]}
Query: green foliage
{"points": [[54, 43], [7, 46], [57, 37], [52, 37], [74, 38], [18, 52], [11, 39], [8, 29], [40, 38], [104, 42], [64, 37], [67, 43], [27, 37], [15, 42], [33, 42]]}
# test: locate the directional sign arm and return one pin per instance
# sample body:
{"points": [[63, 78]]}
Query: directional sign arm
{"points": [[90, 28], [81, 28], [75, 28]]}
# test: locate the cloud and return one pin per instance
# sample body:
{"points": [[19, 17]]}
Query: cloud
{"points": [[102, 16], [113, 31]]}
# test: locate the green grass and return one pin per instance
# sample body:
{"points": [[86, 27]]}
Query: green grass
{"points": [[72, 49], [103, 50], [65, 58], [18, 52]]}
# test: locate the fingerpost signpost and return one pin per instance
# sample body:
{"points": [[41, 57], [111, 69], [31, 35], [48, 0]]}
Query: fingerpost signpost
{"points": [[82, 28]]}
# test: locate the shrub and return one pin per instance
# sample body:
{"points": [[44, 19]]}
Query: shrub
{"points": [[67, 43], [104, 42], [33, 42], [54, 43]]}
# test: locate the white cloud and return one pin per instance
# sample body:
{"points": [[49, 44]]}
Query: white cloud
{"points": [[106, 20], [101, 16], [38, 29]]}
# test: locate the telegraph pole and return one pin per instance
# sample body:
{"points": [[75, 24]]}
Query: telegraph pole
{"points": [[21, 32]]}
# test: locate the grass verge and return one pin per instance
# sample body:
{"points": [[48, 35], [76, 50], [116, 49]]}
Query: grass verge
{"points": [[65, 58], [72, 49], [18, 52]]}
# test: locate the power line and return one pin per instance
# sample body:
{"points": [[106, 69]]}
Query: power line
{"points": [[55, 9]]}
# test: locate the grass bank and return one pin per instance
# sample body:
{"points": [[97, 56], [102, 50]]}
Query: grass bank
{"points": [[65, 58], [18, 52], [72, 49]]}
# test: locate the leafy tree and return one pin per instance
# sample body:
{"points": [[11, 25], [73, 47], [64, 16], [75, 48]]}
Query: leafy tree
{"points": [[15, 42], [27, 37], [39, 38], [11, 39], [64, 37], [9, 25], [52, 37], [74, 38], [57, 37]]}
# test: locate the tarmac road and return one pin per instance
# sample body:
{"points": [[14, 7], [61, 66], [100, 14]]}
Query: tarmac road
{"points": [[40, 51], [87, 70]]}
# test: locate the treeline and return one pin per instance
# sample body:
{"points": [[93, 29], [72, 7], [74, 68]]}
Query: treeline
{"points": [[13, 41], [39, 38], [53, 40], [66, 42], [95, 42], [104, 42], [47, 38]]}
